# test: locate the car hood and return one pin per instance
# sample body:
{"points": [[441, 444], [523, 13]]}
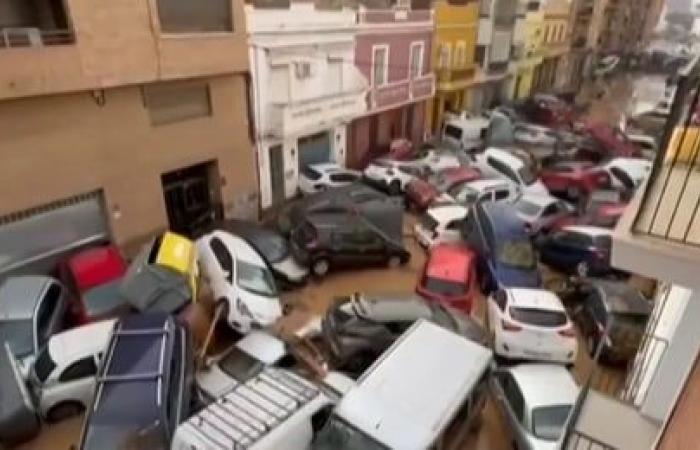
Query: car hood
{"points": [[265, 310], [214, 382], [291, 269], [509, 276]]}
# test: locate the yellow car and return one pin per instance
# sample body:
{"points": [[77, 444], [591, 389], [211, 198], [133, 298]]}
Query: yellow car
{"points": [[180, 254]]}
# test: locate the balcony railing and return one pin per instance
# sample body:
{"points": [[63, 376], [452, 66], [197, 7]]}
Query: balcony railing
{"points": [[34, 37], [670, 206], [395, 94]]}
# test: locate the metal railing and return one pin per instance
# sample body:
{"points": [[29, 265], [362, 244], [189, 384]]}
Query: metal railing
{"points": [[34, 37], [671, 202]]}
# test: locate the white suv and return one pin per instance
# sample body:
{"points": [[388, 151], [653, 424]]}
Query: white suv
{"points": [[63, 376]]}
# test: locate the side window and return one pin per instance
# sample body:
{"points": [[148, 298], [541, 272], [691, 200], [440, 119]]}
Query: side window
{"points": [[47, 310], [514, 397], [501, 194], [85, 367], [550, 210], [622, 177], [223, 257], [504, 169]]}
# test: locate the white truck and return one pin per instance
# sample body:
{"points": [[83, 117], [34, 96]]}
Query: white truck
{"points": [[465, 131]]}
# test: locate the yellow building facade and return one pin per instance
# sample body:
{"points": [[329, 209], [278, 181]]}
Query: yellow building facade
{"points": [[454, 47], [529, 56], [555, 45]]}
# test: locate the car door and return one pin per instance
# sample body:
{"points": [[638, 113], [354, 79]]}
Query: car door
{"points": [[75, 384], [50, 315], [511, 403], [372, 246]]}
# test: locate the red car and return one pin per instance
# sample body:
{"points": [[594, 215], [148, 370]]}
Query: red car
{"points": [[548, 110], [574, 178], [603, 141], [93, 276], [449, 276], [602, 214], [421, 193]]}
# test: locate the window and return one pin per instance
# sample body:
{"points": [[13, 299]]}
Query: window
{"points": [[202, 16], [223, 257], [380, 65], [46, 321], [622, 177], [502, 194], [444, 56], [176, 101], [548, 421], [453, 132], [551, 210], [480, 55], [255, 279], [85, 367], [302, 70], [416, 60], [533, 6]]}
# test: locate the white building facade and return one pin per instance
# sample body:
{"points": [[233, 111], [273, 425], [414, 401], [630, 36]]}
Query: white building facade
{"points": [[305, 91]]}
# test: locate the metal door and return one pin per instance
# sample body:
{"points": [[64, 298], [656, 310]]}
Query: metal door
{"points": [[276, 157], [314, 149], [189, 201]]}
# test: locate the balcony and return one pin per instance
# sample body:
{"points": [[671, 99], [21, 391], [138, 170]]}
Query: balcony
{"points": [[296, 117], [395, 94]]}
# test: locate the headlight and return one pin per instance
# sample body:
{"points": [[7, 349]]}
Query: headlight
{"points": [[243, 309]]}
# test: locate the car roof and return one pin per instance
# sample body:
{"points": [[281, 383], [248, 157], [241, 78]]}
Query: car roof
{"points": [[534, 298], [450, 262], [538, 199], [444, 213], [621, 297], [390, 306], [412, 391], [503, 218], [545, 384], [97, 265], [589, 230], [240, 248], [19, 296], [80, 342]]}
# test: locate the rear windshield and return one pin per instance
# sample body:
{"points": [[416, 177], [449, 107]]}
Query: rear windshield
{"points": [[517, 253], [310, 173], [44, 365], [548, 421], [444, 287], [538, 317], [428, 222], [453, 132], [240, 365]]}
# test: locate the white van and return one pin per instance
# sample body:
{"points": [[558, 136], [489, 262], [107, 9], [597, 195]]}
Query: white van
{"points": [[465, 132], [413, 397], [62, 377], [276, 409]]}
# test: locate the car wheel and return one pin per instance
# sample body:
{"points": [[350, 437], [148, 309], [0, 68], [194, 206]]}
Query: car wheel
{"points": [[63, 411], [395, 187], [582, 269], [394, 261], [320, 267]]}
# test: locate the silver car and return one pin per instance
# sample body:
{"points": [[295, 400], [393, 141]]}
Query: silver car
{"points": [[535, 401]]}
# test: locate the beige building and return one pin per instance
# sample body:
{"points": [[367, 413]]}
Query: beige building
{"points": [[555, 45], [119, 119]]}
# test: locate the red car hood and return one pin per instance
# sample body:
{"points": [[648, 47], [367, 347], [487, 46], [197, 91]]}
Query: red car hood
{"points": [[421, 193]]}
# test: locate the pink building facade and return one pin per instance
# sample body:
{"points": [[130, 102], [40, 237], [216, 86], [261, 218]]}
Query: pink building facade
{"points": [[393, 49]]}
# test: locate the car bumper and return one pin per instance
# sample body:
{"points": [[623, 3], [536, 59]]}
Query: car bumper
{"points": [[514, 348]]}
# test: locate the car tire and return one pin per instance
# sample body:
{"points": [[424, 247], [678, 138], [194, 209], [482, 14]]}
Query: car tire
{"points": [[395, 187], [63, 410], [321, 267], [582, 269]]}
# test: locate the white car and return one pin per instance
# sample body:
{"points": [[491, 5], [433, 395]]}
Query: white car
{"points": [[647, 144], [495, 162], [531, 324], [240, 279], [532, 134], [535, 401], [486, 190], [237, 364], [393, 175], [319, 177], [541, 212], [440, 224], [62, 378], [627, 173]]}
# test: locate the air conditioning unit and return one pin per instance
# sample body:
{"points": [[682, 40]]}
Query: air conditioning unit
{"points": [[302, 69]]}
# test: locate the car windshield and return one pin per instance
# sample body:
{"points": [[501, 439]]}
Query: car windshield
{"points": [[255, 279], [453, 132], [527, 175], [444, 287], [339, 434], [44, 365], [517, 253], [240, 365], [548, 421], [18, 333], [527, 208], [272, 247], [538, 317]]}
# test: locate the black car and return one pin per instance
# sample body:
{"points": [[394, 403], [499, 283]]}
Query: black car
{"points": [[615, 307], [143, 386], [326, 241], [272, 247], [582, 250], [358, 328]]}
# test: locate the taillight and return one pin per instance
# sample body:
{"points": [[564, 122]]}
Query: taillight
{"points": [[567, 332], [510, 326]]}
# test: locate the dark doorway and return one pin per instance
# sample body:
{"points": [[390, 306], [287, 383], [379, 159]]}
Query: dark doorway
{"points": [[518, 79], [276, 157], [192, 198]]}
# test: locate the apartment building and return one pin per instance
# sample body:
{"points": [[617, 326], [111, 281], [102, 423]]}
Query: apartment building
{"points": [[555, 43], [659, 237], [628, 25], [393, 49], [306, 89], [496, 24], [456, 32], [119, 119], [528, 42], [585, 24]]}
